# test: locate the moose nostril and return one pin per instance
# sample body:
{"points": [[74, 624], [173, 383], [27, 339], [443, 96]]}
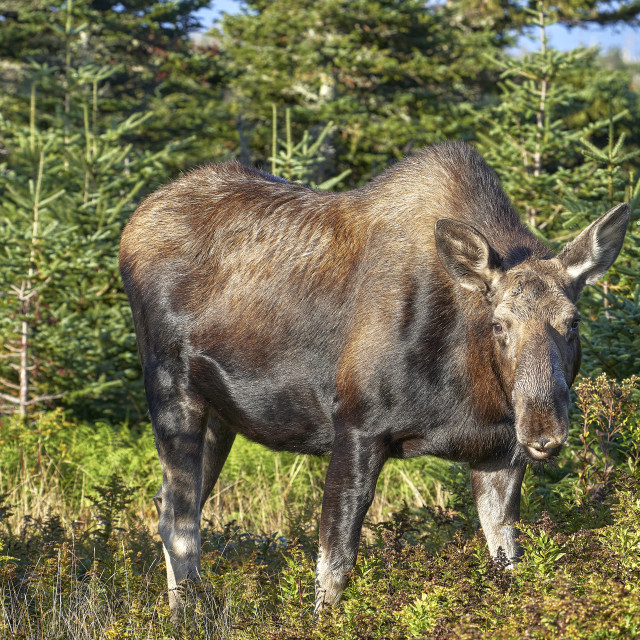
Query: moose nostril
{"points": [[542, 444], [545, 444]]}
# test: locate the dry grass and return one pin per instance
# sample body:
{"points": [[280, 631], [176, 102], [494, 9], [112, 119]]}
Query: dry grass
{"points": [[45, 471], [79, 559]]}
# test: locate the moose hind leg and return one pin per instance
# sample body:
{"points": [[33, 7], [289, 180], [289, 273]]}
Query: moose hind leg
{"points": [[349, 489], [179, 426], [217, 444], [496, 490]]}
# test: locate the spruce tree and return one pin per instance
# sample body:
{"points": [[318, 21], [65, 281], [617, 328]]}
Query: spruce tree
{"points": [[503, 15], [152, 66], [390, 75], [65, 192], [304, 161], [563, 165]]}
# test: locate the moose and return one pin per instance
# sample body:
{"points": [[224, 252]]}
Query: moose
{"points": [[413, 316]]}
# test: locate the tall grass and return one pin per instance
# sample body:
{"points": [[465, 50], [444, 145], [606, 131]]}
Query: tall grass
{"points": [[80, 559], [53, 465], [83, 559]]}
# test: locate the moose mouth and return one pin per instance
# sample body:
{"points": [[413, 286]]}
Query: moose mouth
{"points": [[540, 455]]}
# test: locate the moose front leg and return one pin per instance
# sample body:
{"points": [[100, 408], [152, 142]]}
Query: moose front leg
{"points": [[496, 490], [349, 488]]}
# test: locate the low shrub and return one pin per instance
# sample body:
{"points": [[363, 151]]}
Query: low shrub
{"points": [[424, 572]]}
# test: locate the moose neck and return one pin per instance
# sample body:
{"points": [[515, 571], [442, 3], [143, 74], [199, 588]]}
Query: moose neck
{"points": [[461, 408]]}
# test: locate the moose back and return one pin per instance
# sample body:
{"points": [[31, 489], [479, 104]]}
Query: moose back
{"points": [[415, 315]]}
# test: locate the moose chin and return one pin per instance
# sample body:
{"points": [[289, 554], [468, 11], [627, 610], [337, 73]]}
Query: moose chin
{"points": [[413, 316]]}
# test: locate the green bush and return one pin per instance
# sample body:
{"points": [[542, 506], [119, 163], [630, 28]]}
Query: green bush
{"points": [[424, 572]]}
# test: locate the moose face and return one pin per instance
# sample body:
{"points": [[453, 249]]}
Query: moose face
{"points": [[534, 319], [535, 331]]}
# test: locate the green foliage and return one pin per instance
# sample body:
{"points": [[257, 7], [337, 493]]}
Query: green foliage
{"points": [[425, 572], [541, 554], [303, 161], [56, 460], [153, 67], [70, 458], [610, 434], [423, 614], [611, 332], [390, 75], [556, 150], [571, 585], [538, 131], [68, 184], [95, 96], [503, 15], [368, 82], [297, 578]]}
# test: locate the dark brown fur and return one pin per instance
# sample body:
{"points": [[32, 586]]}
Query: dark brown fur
{"points": [[353, 324]]}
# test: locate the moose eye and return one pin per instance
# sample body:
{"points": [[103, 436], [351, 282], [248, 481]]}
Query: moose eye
{"points": [[575, 324], [497, 328]]}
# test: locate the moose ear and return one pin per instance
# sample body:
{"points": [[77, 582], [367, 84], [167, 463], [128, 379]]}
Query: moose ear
{"points": [[587, 258], [466, 255]]}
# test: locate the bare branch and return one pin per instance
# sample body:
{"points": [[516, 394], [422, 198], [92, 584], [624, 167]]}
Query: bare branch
{"points": [[10, 347], [37, 399], [8, 383], [17, 367]]}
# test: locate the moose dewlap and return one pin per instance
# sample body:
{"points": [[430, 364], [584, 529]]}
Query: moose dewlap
{"points": [[413, 316]]}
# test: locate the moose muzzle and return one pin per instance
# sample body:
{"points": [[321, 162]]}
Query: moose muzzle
{"points": [[541, 400]]}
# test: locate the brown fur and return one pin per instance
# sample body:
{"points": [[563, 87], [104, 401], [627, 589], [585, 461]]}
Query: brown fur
{"points": [[214, 219], [413, 316]]}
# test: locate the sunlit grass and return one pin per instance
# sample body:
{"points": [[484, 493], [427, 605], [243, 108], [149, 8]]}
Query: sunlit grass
{"points": [[80, 559], [53, 466]]}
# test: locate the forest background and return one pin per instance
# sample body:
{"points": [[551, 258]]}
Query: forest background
{"points": [[102, 102]]}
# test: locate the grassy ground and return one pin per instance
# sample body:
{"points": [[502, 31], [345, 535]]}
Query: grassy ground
{"points": [[54, 466], [79, 559]]}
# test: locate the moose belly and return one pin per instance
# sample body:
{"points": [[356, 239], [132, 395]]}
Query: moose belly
{"points": [[284, 408]]}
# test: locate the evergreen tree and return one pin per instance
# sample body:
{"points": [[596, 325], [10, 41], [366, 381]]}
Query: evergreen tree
{"points": [[303, 161], [503, 15], [555, 149], [612, 327], [152, 66], [66, 191], [390, 74], [139, 37]]}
